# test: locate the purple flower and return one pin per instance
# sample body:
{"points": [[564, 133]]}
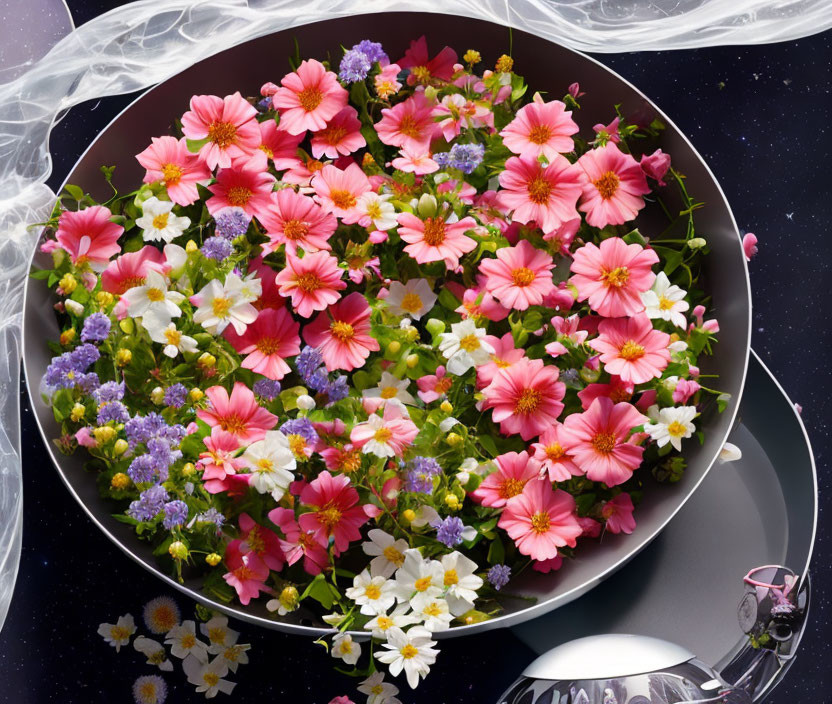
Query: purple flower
{"points": [[217, 248], [465, 157], [354, 66], [308, 362], [302, 427], [88, 383], [67, 369], [268, 389], [498, 576], [113, 412], [109, 391], [141, 429], [449, 532], [318, 380], [96, 328], [372, 50], [337, 389], [142, 469], [212, 516], [420, 475], [231, 222], [175, 395], [150, 503], [85, 355], [176, 513]]}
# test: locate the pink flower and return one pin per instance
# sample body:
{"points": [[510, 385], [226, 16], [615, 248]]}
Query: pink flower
{"points": [[422, 68], [607, 133], [409, 124], [520, 276], [514, 471], [455, 112], [434, 386], [618, 512], [613, 185], [268, 89], [343, 699], [547, 566], [313, 282], [552, 456], [655, 165], [270, 295], [338, 190], [218, 461], [238, 414], [228, 124], [130, 269], [525, 398], [613, 276], [267, 343], [541, 129], [342, 135], [299, 543], [597, 440], [89, 236], [167, 159], [334, 512], [591, 528], [308, 98], [463, 190], [346, 459], [545, 195], [541, 520], [261, 541], [504, 355], [415, 163], [478, 304], [385, 81], [343, 333], [435, 239], [247, 573], [390, 435], [617, 391], [241, 188], [359, 267], [295, 220], [632, 349], [684, 390], [276, 145], [575, 90], [300, 171], [85, 438], [749, 245]]}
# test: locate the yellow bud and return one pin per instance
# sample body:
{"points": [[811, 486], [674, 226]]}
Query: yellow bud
{"points": [[78, 411], [394, 347], [472, 56], [674, 337], [178, 550], [195, 394], [120, 481], [158, 395], [120, 446], [207, 360], [453, 439], [412, 334], [289, 598], [191, 247], [124, 357], [213, 559], [504, 64], [68, 283], [431, 92], [104, 298], [409, 515], [67, 336], [127, 326], [452, 502], [188, 469], [104, 434], [446, 406], [412, 360]]}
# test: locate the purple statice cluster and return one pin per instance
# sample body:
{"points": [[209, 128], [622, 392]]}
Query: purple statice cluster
{"points": [[212, 516], [498, 576], [96, 328], [465, 157], [449, 531], [161, 441], [217, 248], [231, 223], [112, 412], [176, 513], [109, 391], [175, 395], [419, 474], [149, 504], [302, 427], [268, 389], [70, 369], [357, 62], [310, 366], [142, 429]]}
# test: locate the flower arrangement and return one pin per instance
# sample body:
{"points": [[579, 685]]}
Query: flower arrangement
{"points": [[381, 339]]}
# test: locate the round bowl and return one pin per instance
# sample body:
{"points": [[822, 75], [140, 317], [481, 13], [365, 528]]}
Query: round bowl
{"points": [[546, 67]]}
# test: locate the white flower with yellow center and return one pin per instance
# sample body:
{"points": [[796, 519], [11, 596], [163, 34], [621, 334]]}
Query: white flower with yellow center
{"points": [[435, 615], [418, 579], [159, 223], [153, 298], [155, 653], [378, 691], [671, 425], [271, 461], [247, 289], [183, 642], [666, 301], [173, 339], [412, 652], [391, 390], [386, 551], [379, 442], [413, 299], [375, 595], [401, 617], [460, 581], [235, 655], [346, 649], [218, 633], [219, 306], [378, 209], [208, 676], [118, 633], [464, 347]]}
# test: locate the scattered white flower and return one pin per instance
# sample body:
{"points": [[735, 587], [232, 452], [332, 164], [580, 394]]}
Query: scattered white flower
{"points": [[271, 461], [159, 223], [154, 651], [391, 391], [375, 595], [462, 584], [346, 649], [175, 259], [378, 209], [219, 305], [183, 642], [464, 347], [378, 691], [418, 579], [414, 298], [218, 633], [729, 453], [665, 301], [412, 652], [435, 615], [153, 298], [386, 551], [207, 676], [447, 423], [381, 625], [235, 655], [166, 333], [671, 425], [118, 633], [471, 465]]}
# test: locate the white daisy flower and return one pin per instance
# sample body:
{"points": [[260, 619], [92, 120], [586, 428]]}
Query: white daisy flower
{"points": [[418, 579], [346, 649], [153, 297], [666, 301], [378, 209], [464, 347], [248, 289], [378, 691], [159, 223], [435, 615], [471, 465], [271, 461], [118, 633], [412, 652], [391, 390], [235, 655], [375, 595], [414, 299], [379, 443], [462, 584], [174, 340], [207, 677], [183, 642], [400, 618], [222, 305], [155, 653], [218, 633], [671, 425], [729, 453], [386, 551]]}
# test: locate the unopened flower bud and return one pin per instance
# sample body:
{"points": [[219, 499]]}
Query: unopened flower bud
{"points": [[124, 357], [427, 206], [195, 394], [120, 481], [104, 434], [453, 439], [446, 407], [435, 326], [697, 242], [409, 515], [191, 247], [104, 298], [78, 411], [74, 307], [207, 360], [452, 501], [394, 347], [158, 395], [120, 446], [213, 559], [412, 360], [289, 598], [188, 469], [305, 402], [178, 550], [472, 56], [127, 326], [67, 336], [68, 283]]}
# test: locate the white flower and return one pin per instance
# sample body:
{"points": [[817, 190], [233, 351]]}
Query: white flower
{"points": [[218, 633], [379, 443], [235, 655], [175, 259], [346, 649], [271, 462], [155, 653], [153, 297], [665, 301], [381, 624], [447, 423], [183, 642], [378, 691], [159, 223], [415, 298], [208, 676], [166, 333], [391, 391], [375, 595], [425, 515], [729, 453], [671, 425], [464, 347], [73, 307], [118, 633], [418, 579], [412, 652], [435, 615], [220, 305], [376, 207], [469, 466], [462, 584], [248, 289], [386, 551]]}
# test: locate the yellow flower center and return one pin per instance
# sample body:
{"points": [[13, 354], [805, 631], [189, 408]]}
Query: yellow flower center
{"points": [[173, 336], [434, 232], [394, 555], [171, 174], [541, 522], [295, 230], [372, 592], [265, 465], [239, 195], [188, 641], [267, 151], [220, 307], [374, 210], [631, 350], [333, 135], [350, 462], [329, 516], [422, 584], [511, 487], [377, 689], [268, 345], [211, 678], [310, 98], [620, 394], [539, 190], [411, 303], [216, 635], [384, 623], [163, 618], [119, 633], [342, 199], [255, 541], [409, 127], [233, 424], [616, 278], [604, 442], [451, 578], [665, 303], [389, 392], [297, 444], [344, 332], [147, 690], [554, 452], [540, 134], [522, 277], [309, 282], [409, 652], [160, 222], [382, 435], [528, 402], [421, 74], [432, 609], [223, 134], [232, 653], [607, 185], [155, 295], [676, 429], [469, 343]]}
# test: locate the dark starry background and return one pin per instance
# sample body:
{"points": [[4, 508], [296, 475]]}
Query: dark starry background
{"points": [[760, 117]]}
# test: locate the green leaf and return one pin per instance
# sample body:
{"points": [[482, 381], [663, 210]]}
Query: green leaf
{"points": [[194, 145], [496, 553]]}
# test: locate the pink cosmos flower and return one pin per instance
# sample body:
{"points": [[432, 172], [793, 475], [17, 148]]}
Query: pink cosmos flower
{"points": [[546, 195], [386, 83], [541, 520], [591, 528], [685, 388], [295, 220], [613, 276], [277, 146], [455, 112], [260, 541], [463, 190], [89, 236], [547, 566], [270, 295], [342, 333], [338, 190], [313, 282], [422, 68], [435, 239], [218, 461], [247, 573], [632, 349], [342, 135], [541, 129], [525, 398], [393, 433], [228, 124], [562, 298], [346, 459], [617, 391], [597, 440], [238, 414], [562, 236], [655, 165], [299, 543], [618, 512], [567, 329], [514, 471], [409, 124], [309, 98], [241, 188], [334, 512], [478, 304], [267, 343], [613, 185], [415, 163], [520, 276], [749, 245], [505, 354], [361, 266], [167, 159], [434, 386], [552, 456], [607, 133], [130, 269], [300, 171]]}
